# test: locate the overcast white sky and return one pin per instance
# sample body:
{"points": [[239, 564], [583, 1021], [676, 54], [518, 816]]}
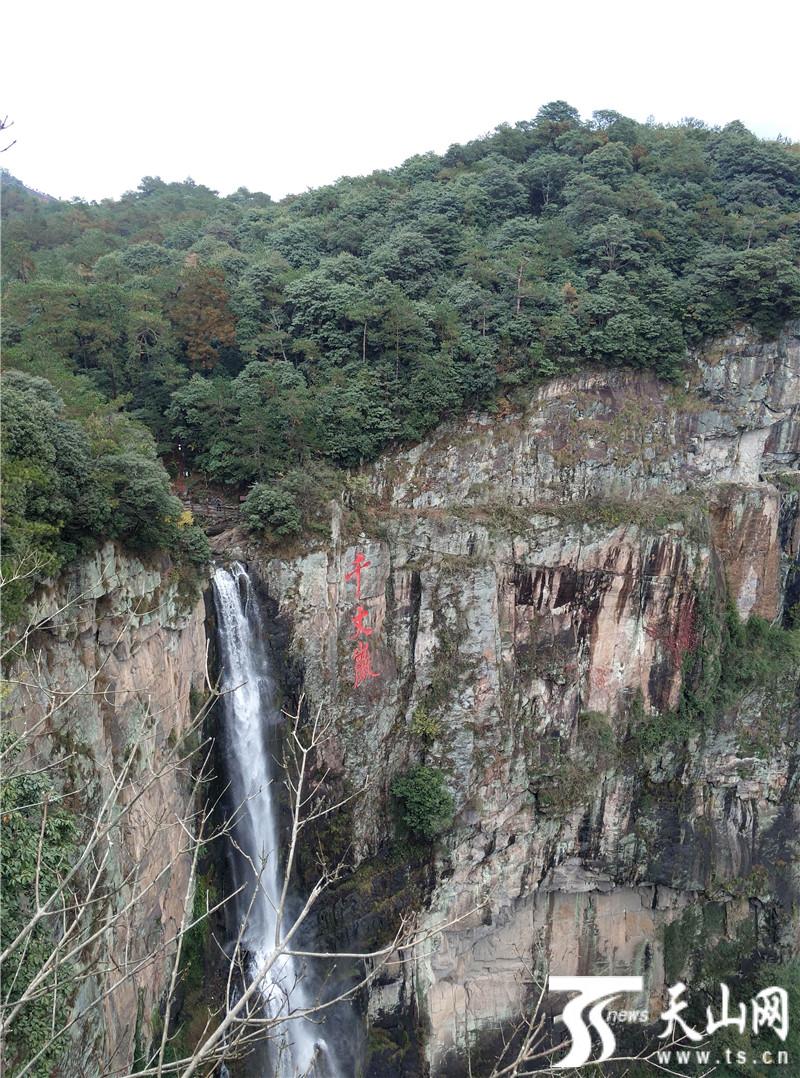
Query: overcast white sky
{"points": [[282, 97]]}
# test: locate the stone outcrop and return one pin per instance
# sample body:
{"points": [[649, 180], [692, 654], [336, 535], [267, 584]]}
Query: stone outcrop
{"points": [[617, 435], [110, 670], [536, 582]]}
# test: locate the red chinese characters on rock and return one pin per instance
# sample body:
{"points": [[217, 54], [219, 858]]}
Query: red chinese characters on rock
{"points": [[359, 564], [362, 659], [359, 622], [362, 664]]}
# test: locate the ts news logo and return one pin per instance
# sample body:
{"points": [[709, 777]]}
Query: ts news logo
{"points": [[769, 1010], [599, 991]]}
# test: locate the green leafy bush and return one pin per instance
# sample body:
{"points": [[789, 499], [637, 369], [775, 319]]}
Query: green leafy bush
{"points": [[271, 509], [191, 545], [70, 483], [425, 726], [734, 657], [730, 659], [757, 654], [426, 805]]}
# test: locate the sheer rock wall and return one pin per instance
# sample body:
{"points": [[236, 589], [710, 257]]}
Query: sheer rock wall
{"points": [[111, 669], [528, 569]]}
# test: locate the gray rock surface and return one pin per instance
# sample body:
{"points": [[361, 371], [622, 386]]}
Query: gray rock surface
{"points": [[528, 569]]}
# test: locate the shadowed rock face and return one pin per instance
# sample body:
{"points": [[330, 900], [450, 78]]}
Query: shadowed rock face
{"points": [[526, 570]]}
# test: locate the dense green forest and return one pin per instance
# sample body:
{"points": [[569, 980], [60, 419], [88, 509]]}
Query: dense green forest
{"points": [[277, 342]]}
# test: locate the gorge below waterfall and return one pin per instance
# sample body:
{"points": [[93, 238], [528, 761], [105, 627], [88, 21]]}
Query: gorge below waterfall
{"points": [[261, 897]]}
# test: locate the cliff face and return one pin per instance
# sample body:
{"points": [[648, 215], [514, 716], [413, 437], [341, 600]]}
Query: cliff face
{"points": [[537, 586], [104, 688]]}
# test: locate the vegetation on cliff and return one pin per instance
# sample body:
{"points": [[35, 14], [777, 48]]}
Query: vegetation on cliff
{"points": [[424, 802], [69, 482], [266, 340]]}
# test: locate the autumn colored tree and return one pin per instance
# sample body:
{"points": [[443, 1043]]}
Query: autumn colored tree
{"points": [[202, 317]]}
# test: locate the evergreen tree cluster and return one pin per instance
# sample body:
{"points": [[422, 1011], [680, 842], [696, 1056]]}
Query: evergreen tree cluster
{"points": [[275, 341]]}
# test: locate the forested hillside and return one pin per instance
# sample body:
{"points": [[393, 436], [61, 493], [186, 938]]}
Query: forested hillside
{"points": [[277, 342]]}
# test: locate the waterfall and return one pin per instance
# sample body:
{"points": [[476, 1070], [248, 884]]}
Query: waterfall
{"points": [[250, 719]]}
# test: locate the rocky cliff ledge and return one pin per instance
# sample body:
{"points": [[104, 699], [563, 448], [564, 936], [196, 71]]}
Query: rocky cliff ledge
{"points": [[106, 684], [549, 594]]}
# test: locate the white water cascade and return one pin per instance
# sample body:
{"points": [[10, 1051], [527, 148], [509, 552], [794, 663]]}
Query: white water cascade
{"points": [[250, 717]]}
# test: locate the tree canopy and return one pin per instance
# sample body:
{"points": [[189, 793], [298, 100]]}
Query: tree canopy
{"points": [[270, 337]]}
